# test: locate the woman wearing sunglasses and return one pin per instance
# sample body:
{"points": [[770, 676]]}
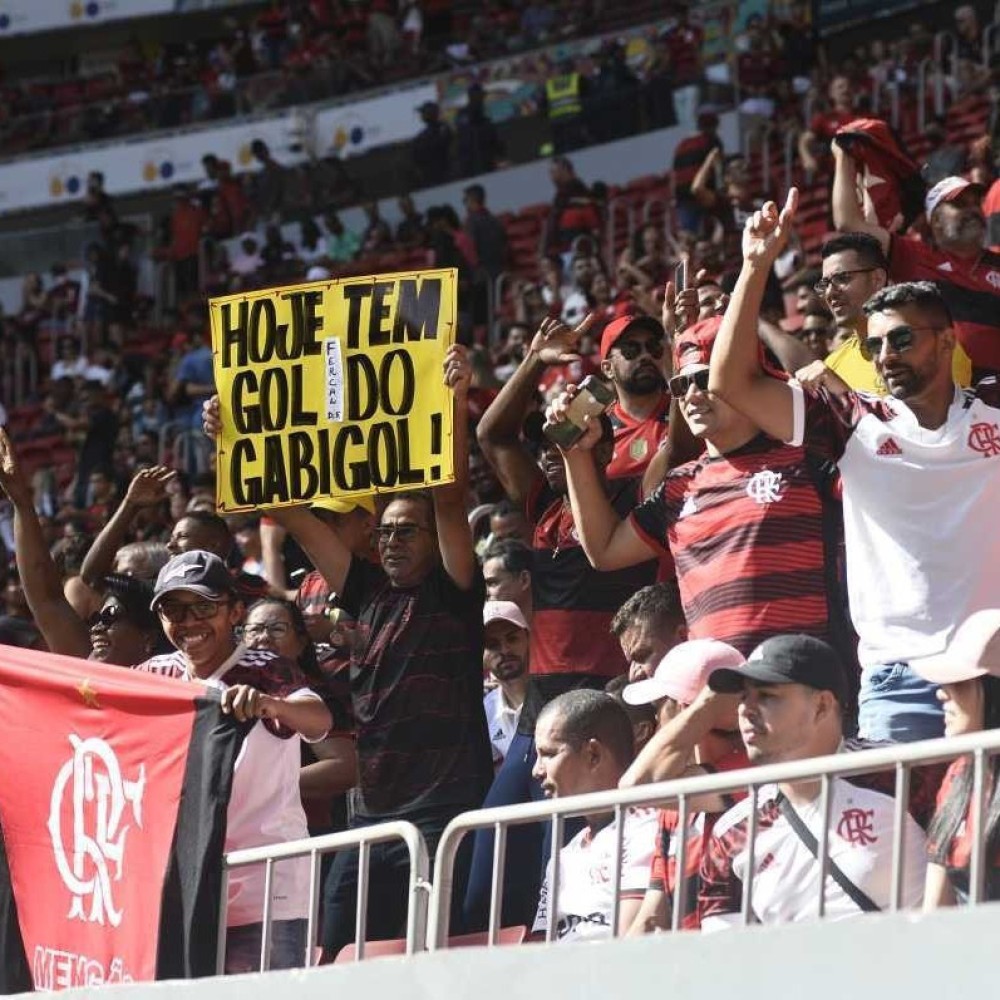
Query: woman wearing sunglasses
{"points": [[969, 675], [123, 631]]}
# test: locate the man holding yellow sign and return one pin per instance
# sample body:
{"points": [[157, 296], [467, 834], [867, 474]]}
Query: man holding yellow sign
{"points": [[416, 665], [333, 388]]}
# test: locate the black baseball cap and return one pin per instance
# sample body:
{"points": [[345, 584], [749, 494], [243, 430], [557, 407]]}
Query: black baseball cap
{"points": [[200, 572], [787, 659]]}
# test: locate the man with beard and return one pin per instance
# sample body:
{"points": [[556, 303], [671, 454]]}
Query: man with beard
{"points": [[505, 657], [631, 357], [571, 642], [957, 261], [919, 469]]}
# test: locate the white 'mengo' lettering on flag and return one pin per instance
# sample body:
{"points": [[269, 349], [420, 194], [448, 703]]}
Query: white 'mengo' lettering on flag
{"points": [[334, 381]]}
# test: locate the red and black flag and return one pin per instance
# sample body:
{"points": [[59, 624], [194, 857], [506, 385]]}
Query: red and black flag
{"points": [[890, 177], [114, 786]]}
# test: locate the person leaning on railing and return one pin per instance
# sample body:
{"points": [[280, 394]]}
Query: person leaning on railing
{"points": [[969, 675]]}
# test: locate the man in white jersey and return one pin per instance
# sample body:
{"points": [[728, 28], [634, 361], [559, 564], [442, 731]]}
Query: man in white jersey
{"points": [[584, 743], [505, 656], [196, 601], [920, 470], [792, 693]]}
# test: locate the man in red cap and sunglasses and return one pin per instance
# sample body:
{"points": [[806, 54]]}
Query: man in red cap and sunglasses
{"points": [[632, 350], [752, 524]]}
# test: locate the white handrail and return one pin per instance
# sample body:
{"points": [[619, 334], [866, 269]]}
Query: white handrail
{"points": [[683, 790], [314, 848]]}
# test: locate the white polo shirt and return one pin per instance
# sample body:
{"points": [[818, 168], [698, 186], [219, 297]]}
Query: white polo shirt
{"points": [[920, 514]]}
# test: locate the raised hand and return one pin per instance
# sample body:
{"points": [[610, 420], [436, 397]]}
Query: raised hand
{"points": [[211, 417], [458, 370], [767, 231], [555, 343], [556, 413], [12, 480], [149, 486]]}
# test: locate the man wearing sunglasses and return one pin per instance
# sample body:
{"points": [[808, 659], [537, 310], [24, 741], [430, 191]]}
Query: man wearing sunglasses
{"points": [[854, 269], [632, 350], [920, 475], [956, 259], [196, 600], [731, 519]]}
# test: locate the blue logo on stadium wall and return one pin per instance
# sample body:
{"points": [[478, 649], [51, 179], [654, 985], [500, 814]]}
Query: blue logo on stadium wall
{"points": [[4, 22], [166, 170], [72, 184], [93, 8], [357, 134]]}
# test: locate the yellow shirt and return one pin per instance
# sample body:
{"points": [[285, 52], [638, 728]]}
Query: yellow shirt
{"points": [[859, 373]]}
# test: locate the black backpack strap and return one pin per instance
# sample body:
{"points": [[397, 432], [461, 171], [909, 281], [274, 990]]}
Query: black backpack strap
{"points": [[860, 899]]}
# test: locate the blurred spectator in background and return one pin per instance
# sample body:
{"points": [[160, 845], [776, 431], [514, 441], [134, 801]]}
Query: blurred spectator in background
{"points": [[187, 221], [431, 148], [689, 156], [377, 235], [478, 146], [411, 231], [342, 244], [684, 41], [268, 183], [574, 209], [814, 142], [485, 230], [562, 98]]}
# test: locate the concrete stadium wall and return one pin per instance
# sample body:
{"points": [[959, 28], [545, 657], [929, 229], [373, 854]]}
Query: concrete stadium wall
{"points": [[945, 956]]}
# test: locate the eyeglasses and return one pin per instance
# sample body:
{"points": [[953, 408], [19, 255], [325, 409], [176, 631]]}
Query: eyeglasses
{"points": [[899, 339], [841, 279], [107, 616], [631, 349], [273, 630], [403, 530], [176, 612], [680, 384]]}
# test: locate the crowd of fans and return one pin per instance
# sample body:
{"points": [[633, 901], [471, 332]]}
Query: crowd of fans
{"points": [[283, 53], [773, 545]]}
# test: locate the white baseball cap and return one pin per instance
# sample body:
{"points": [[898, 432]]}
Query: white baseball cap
{"points": [[946, 190], [974, 650], [683, 672], [507, 611]]}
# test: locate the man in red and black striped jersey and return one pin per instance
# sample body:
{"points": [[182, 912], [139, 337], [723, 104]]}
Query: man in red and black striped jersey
{"points": [[631, 358], [957, 260], [753, 525], [573, 604], [688, 158], [416, 673]]}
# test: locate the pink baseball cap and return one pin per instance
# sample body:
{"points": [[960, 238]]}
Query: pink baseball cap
{"points": [[947, 190], [506, 611], [683, 672], [974, 650]]}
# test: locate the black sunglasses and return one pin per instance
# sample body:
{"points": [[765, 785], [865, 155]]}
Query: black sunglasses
{"points": [[899, 339], [680, 384], [107, 616], [631, 349]]}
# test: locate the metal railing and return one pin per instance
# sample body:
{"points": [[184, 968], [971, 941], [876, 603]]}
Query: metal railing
{"points": [[898, 758], [314, 848]]}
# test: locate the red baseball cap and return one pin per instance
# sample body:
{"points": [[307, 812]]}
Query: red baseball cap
{"points": [[694, 345], [617, 329]]}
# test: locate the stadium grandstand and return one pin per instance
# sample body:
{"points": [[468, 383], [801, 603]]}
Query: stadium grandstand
{"points": [[660, 629]]}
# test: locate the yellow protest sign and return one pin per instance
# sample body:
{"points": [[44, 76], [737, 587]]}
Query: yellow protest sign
{"points": [[333, 388]]}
